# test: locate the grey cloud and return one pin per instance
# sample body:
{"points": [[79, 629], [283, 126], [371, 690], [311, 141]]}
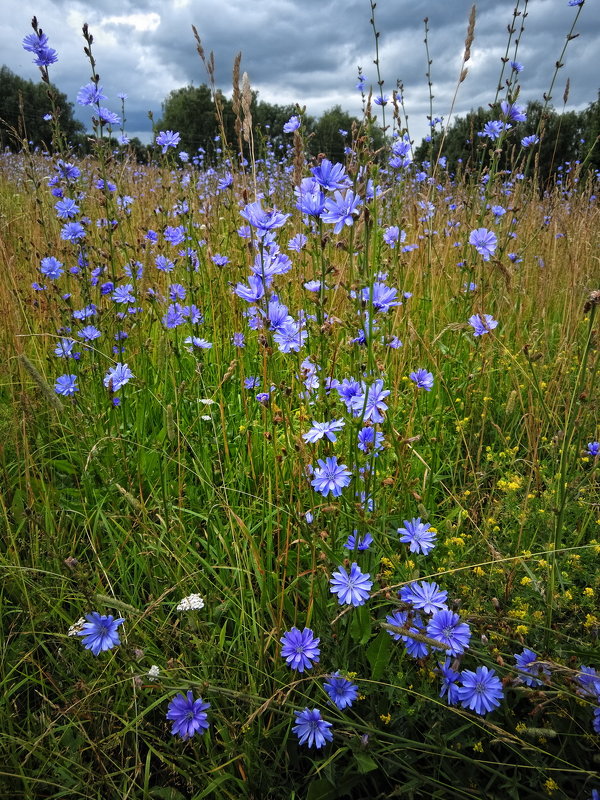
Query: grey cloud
{"points": [[307, 51]]}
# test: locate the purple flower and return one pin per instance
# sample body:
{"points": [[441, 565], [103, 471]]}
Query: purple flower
{"points": [[84, 313], [321, 429], [484, 242], [253, 291], [292, 124], [164, 264], [72, 231], [300, 648], [517, 66], [219, 260], [370, 440], [529, 141], [331, 176], [196, 341], [263, 220], [530, 668], [399, 619], [369, 404], [51, 267], [363, 543], [423, 379], [450, 689], [384, 297], [341, 691], [589, 681], [413, 624], [117, 376], [68, 172], [64, 348], [427, 597], [446, 627], [90, 94], [353, 588], [188, 715], [311, 198], [166, 139], [290, 336], [348, 390], [493, 129], [66, 385], [593, 449], [392, 235], [174, 316], [513, 112], [298, 241], [418, 535], [34, 42], [331, 477], [100, 632], [482, 323], [481, 691], [37, 43], [174, 234], [108, 117], [341, 209], [123, 294], [67, 208], [89, 333], [176, 292], [225, 182], [311, 729]]}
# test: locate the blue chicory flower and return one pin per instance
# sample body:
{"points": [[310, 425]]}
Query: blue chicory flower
{"points": [[100, 632], [188, 715]]}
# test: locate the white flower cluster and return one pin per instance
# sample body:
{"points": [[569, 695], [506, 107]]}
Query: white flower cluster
{"points": [[153, 672], [74, 629], [191, 603]]}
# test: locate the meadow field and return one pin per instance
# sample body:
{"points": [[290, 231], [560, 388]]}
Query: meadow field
{"points": [[299, 466]]}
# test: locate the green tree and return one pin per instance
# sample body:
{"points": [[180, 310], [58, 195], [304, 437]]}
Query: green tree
{"points": [[560, 140], [327, 138], [23, 105], [590, 130], [191, 112]]}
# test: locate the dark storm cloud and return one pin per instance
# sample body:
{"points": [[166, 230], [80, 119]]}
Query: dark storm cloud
{"points": [[308, 51]]}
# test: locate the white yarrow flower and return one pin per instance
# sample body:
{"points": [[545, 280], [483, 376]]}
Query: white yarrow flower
{"points": [[191, 603], [78, 626], [153, 672]]}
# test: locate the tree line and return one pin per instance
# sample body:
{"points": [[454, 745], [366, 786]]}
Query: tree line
{"points": [[569, 136], [202, 118]]}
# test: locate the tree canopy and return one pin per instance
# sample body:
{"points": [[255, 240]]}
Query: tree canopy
{"points": [[191, 111], [564, 137], [23, 105]]}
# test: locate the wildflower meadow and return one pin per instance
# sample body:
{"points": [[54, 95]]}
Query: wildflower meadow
{"points": [[299, 460]]}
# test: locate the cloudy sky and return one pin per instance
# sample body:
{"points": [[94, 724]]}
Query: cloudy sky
{"points": [[305, 51]]}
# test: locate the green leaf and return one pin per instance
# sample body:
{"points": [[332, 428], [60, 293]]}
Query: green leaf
{"points": [[321, 790], [378, 654], [364, 762], [165, 793], [360, 626]]}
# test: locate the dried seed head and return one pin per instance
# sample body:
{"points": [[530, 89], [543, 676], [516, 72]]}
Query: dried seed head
{"points": [[470, 35]]}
